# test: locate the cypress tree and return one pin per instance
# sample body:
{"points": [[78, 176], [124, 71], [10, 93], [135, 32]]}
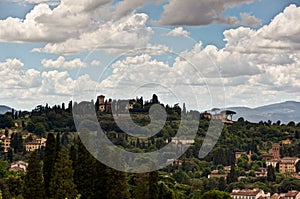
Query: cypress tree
{"points": [[117, 186], [85, 172], [62, 183], [57, 145], [33, 182], [271, 177], [49, 161], [153, 184], [10, 155], [100, 180], [222, 184], [232, 176], [142, 186]]}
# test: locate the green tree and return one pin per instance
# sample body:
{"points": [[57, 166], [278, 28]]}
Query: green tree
{"points": [[84, 174], [49, 161], [57, 145], [215, 194], [30, 127], [62, 183], [6, 121], [117, 186], [10, 155], [298, 167], [142, 186], [3, 170], [222, 184], [153, 184], [33, 182], [232, 176], [40, 130], [271, 176]]}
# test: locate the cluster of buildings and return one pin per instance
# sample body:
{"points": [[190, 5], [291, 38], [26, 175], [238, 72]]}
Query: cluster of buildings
{"points": [[18, 166], [119, 106], [260, 194], [287, 165], [36, 144], [217, 116], [29, 146], [5, 142]]}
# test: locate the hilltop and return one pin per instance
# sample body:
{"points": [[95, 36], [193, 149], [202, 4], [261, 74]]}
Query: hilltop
{"points": [[285, 112]]}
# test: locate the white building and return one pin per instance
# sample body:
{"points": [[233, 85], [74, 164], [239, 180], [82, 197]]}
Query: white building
{"points": [[249, 194]]}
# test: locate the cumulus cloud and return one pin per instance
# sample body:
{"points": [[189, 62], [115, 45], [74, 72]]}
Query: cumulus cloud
{"points": [[27, 88], [61, 62], [249, 20], [49, 2], [178, 32], [72, 28], [96, 63], [150, 49], [154, 76], [258, 64], [115, 37], [198, 12], [13, 75]]}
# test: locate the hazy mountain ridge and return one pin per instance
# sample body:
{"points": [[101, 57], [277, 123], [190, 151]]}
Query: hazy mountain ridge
{"points": [[4, 109], [285, 112]]}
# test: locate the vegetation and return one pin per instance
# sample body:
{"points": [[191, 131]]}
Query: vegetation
{"points": [[64, 168]]}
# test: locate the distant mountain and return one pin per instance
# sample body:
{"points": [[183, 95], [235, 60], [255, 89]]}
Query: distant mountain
{"points": [[285, 112], [4, 109]]}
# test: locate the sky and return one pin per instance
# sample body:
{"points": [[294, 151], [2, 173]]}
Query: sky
{"points": [[204, 53]]}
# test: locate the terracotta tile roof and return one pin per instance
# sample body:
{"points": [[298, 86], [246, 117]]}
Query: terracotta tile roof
{"points": [[245, 192], [291, 193]]}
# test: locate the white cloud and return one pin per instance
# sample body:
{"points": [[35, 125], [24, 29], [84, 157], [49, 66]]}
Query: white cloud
{"points": [[13, 76], [127, 6], [120, 36], [198, 12], [249, 20], [60, 62], [178, 32], [96, 63], [49, 2], [73, 28], [150, 49], [258, 66]]}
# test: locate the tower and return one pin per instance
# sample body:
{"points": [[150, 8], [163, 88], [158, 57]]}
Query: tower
{"points": [[276, 151], [101, 99], [101, 103]]}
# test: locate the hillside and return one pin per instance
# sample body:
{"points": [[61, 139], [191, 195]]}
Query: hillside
{"points": [[4, 109], [285, 112]]}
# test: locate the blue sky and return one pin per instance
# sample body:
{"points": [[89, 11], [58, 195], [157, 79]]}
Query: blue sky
{"points": [[226, 54]]}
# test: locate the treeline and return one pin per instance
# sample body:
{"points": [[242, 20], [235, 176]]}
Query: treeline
{"points": [[74, 172]]}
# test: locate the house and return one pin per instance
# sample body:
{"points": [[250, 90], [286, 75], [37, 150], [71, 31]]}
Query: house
{"points": [[262, 173], [227, 169], [274, 153], [272, 162], [286, 142], [183, 141], [6, 144], [249, 194], [18, 166], [239, 154], [206, 115], [277, 196], [217, 175], [292, 195], [288, 165], [37, 144], [2, 136]]}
